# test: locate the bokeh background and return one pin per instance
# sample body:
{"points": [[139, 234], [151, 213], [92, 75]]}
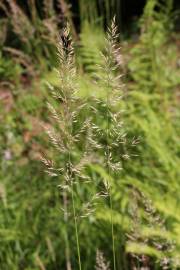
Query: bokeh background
{"points": [[32, 225]]}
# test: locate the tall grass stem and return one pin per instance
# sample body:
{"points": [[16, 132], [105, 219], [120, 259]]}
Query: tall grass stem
{"points": [[110, 189], [76, 227]]}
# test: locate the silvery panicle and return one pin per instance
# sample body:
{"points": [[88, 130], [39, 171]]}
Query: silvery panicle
{"points": [[72, 136], [111, 134]]}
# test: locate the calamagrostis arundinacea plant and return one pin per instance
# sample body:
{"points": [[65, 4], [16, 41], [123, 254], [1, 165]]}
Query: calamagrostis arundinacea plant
{"points": [[20, 22], [112, 134], [72, 137], [65, 138], [101, 263], [145, 216]]}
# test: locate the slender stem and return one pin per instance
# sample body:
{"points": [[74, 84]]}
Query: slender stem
{"points": [[112, 230], [69, 126], [112, 223], [74, 214], [110, 189], [67, 250], [76, 227]]}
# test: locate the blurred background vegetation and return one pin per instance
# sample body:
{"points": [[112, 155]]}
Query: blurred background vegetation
{"points": [[32, 226]]}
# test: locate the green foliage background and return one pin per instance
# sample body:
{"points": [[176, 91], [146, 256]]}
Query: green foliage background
{"points": [[32, 226]]}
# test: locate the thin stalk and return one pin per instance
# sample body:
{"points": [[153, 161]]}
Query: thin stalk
{"points": [[76, 227], [110, 190], [67, 250], [112, 229], [72, 197]]}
